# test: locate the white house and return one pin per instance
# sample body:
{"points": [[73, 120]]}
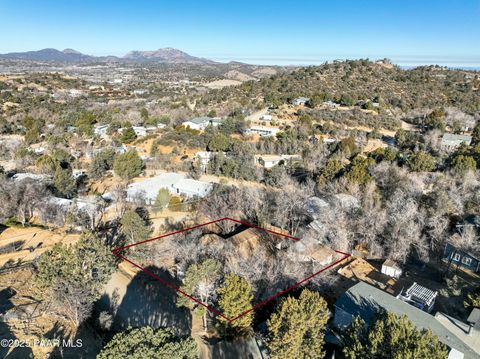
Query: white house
{"points": [[149, 188], [86, 204], [140, 92], [192, 188], [151, 129], [204, 158], [30, 176], [55, 209], [391, 269], [78, 173], [300, 101], [268, 161], [262, 131], [140, 131], [100, 130], [38, 149], [328, 140], [175, 183], [201, 123], [330, 104]]}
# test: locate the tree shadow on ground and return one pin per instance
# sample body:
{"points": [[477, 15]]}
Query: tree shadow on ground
{"points": [[149, 302], [85, 344], [3, 228], [6, 351], [240, 348]]}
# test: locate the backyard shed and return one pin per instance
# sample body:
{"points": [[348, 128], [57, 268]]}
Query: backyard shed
{"points": [[391, 268]]}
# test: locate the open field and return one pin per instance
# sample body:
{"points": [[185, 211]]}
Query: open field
{"points": [[29, 243]]}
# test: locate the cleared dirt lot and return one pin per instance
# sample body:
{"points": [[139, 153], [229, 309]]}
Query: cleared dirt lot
{"points": [[24, 244]]}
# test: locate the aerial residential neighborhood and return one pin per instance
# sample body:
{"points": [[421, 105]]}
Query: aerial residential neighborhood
{"points": [[299, 181]]}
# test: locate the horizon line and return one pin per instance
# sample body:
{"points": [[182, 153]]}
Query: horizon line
{"points": [[464, 62]]}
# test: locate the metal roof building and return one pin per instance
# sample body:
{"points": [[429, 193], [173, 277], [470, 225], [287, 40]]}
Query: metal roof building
{"points": [[366, 301], [190, 188], [200, 123], [175, 183], [451, 141]]}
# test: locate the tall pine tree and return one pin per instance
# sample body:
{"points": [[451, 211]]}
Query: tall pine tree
{"points": [[297, 329], [236, 298], [391, 337]]}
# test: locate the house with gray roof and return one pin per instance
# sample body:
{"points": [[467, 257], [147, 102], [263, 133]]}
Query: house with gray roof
{"points": [[366, 301], [263, 131], [300, 101], [175, 183], [148, 189], [451, 142], [201, 123], [269, 161], [192, 188]]}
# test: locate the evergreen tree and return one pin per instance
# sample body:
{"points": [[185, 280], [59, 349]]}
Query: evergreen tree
{"points": [[436, 120], [358, 172], [391, 337], [401, 138], [33, 129], [84, 123], [102, 162], [134, 228], [421, 162], [348, 147], [64, 182], [128, 134], [162, 200], [476, 134], [236, 298], [144, 114], [46, 164], [274, 176], [297, 329], [128, 165], [219, 142], [73, 276], [149, 343], [462, 164], [331, 169]]}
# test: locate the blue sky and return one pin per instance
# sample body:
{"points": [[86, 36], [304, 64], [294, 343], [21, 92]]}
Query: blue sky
{"points": [[281, 31]]}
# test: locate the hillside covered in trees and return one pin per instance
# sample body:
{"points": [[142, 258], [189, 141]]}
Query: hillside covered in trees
{"points": [[349, 82]]}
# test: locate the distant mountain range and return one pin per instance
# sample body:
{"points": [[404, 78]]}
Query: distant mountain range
{"points": [[165, 55]]}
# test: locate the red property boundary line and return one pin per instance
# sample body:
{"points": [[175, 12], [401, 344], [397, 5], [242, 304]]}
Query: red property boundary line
{"points": [[213, 310]]}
